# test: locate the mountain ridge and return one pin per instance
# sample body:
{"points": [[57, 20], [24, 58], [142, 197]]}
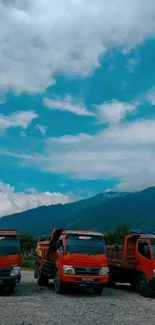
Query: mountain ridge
{"points": [[102, 212]]}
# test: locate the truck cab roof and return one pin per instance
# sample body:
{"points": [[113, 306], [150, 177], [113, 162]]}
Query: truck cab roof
{"points": [[141, 236], [82, 232]]}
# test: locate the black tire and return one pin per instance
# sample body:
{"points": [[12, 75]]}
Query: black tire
{"points": [[112, 283], [59, 286], [42, 280], [145, 287], [36, 270], [11, 289], [98, 289]]}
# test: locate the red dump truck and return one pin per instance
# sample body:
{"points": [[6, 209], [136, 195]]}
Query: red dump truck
{"points": [[72, 258], [134, 262], [10, 259]]}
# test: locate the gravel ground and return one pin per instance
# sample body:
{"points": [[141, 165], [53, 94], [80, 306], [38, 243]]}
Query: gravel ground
{"points": [[33, 305]]}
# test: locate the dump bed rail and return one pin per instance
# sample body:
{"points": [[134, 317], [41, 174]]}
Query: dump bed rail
{"points": [[115, 258], [4, 232]]}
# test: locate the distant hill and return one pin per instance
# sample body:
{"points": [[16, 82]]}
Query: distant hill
{"points": [[136, 210], [103, 212], [41, 220]]}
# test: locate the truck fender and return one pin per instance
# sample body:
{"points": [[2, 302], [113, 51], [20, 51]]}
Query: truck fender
{"points": [[58, 268]]}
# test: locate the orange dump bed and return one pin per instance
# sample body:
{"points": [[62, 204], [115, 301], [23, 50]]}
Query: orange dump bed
{"points": [[115, 258], [125, 256], [42, 248]]}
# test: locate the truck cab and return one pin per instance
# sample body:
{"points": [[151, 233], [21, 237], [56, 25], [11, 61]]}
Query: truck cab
{"points": [[10, 259], [73, 258], [134, 262], [145, 263]]}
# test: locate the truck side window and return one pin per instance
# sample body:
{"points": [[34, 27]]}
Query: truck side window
{"points": [[143, 249]]}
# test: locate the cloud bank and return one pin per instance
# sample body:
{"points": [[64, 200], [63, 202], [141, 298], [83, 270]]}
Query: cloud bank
{"points": [[124, 151], [13, 202], [21, 119], [41, 39]]}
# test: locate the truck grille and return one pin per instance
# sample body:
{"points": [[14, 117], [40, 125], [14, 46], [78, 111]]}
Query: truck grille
{"points": [[4, 272], [87, 270]]}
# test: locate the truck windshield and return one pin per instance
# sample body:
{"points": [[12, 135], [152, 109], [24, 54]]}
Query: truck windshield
{"points": [[9, 245], [90, 245]]}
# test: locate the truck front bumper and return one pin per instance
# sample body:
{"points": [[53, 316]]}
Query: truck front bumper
{"points": [[9, 280], [85, 280]]}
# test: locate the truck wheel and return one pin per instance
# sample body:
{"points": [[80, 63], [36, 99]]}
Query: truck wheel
{"points": [[98, 289], [58, 284], [11, 289], [145, 288], [42, 280], [36, 272], [112, 283]]}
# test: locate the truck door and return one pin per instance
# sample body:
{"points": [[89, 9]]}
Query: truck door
{"points": [[144, 259]]}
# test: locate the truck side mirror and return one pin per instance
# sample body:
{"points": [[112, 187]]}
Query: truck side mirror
{"points": [[116, 248]]}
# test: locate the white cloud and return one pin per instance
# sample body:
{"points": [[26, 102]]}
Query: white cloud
{"points": [[114, 111], [41, 128], [108, 112], [136, 133], [67, 104], [13, 202], [20, 119], [132, 64], [23, 134], [42, 38], [124, 152], [70, 139], [137, 183]]}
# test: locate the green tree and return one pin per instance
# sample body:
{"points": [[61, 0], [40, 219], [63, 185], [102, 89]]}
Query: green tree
{"points": [[117, 236], [28, 243], [121, 232]]}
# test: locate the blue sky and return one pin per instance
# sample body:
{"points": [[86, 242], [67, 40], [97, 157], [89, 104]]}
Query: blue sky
{"points": [[77, 100]]}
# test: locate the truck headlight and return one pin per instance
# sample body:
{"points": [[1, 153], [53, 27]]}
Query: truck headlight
{"points": [[67, 269], [15, 271], [104, 271], [154, 273]]}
